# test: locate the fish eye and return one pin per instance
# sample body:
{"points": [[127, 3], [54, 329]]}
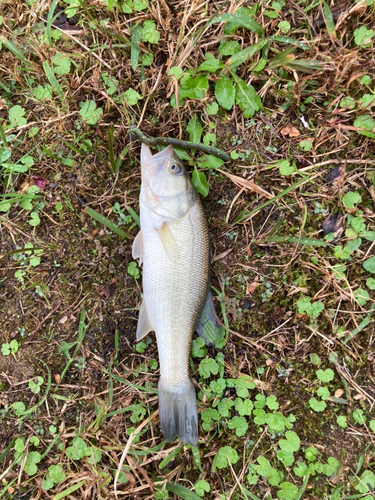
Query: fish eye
{"points": [[175, 168]]}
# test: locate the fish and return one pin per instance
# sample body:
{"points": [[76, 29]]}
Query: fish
{"points": [[173, 245]]}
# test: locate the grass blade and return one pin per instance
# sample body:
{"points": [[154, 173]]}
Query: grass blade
{"points": [[294, 239], [106, 222], [361, 326], [182, 492], [134, 51], [9, 45], [281, 59], [196, 456], [98, 155], [82, 327], [7, 450], [94, 20], [245, 54], [51, 78], [170, 457], [114, 164], [139, 387], [3, 137], [65, 161], [240, 20], [68, 491], [329, 20], [134, 216], [50, 18], [7, 486], [290, 40], [305, 65], [72, 147]]}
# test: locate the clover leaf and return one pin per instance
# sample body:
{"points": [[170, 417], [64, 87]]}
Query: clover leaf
{"points": [[226, 455]]}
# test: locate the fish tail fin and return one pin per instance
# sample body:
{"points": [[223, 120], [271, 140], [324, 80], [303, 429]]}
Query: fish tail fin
{"points": [[178, 413]]}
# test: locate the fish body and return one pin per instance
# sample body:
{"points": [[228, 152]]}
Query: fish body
{"points": [[174, 246]]}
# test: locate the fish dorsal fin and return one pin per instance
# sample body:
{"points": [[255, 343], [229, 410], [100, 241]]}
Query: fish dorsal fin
{"points": [[168, 242], [137, 248], [208, 326], [144, 324]]}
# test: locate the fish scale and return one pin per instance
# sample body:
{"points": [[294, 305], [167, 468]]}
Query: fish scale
{"points": [[177, 290]]}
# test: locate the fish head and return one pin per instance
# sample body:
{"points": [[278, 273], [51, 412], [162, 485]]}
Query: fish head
{"points": [[168, 190]]}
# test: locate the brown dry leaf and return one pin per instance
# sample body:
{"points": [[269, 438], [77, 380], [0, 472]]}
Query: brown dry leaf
{"points": [[134, 465], [290, 131], [250, 185], [221, 255], [357, 397], [339, 393], [372, 192], [337, 173], [265, 386], [251, 287], [358, 7], [334, 223]]}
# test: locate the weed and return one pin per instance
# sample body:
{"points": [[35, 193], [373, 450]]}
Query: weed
{"points": [[10, 348]]}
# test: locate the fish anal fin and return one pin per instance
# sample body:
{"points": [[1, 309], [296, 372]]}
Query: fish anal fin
{"points": [[209, 327], [144, 324], [137, 248], [168, 242]]}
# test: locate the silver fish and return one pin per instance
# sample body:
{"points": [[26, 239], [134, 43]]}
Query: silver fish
{"points": [[174, 246]]}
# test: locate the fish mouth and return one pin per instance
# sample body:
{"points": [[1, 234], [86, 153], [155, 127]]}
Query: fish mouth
{"points": [[155, 161], [155, 164]]}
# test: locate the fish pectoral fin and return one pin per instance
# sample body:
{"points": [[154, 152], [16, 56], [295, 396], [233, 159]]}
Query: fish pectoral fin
{"points": [[168, 242], [144, 324], [137, 248], [209, 327]]}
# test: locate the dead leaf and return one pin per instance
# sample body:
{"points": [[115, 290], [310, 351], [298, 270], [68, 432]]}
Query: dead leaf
{"points": [[265, 386], [336, 173], [372, 192], [250, 185], [290, 131], [251, 287], [359, 396], [334, 223], [221, 255], [339, 393], [134, 465]]}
